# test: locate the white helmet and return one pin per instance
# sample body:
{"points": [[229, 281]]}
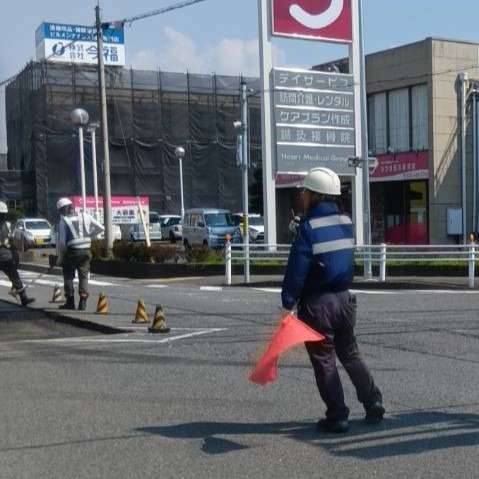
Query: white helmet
{"points": [[62, 202], [3, 207], [323, 181]]}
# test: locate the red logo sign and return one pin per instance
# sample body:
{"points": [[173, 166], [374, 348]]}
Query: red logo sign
{"points": [[328, 20]]}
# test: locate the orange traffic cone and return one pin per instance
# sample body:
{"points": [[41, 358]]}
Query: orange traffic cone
{"points": [[141, 316], [57, 295], [159, 324], [102, 307]]}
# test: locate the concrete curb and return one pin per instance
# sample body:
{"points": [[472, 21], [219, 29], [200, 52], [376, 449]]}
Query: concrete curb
{"points": [[83, 323], [61, 317]]}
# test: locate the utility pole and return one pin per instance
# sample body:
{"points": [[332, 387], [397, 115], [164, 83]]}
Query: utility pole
{"points": [[244, 167], [106, 150]]}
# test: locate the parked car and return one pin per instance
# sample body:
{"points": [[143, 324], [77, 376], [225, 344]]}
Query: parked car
{"points": [[154, 218], [209, 227], [256, 226], [32, 233], [171, 228], [116, 232], [137, 233]]}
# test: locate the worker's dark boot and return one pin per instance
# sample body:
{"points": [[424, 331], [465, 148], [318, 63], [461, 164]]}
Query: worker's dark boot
{"points": [[82, 303], [25, 300], [375, 413], [70, 304], [333, 426]]}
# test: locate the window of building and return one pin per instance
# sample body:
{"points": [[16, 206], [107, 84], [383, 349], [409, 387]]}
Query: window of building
{"points": [[420, 113], [378, 135], [399, 126], [398, 120]]}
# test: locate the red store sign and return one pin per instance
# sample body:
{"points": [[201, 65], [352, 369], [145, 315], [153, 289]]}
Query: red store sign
{"points": [[402, 167], [328, 20]]}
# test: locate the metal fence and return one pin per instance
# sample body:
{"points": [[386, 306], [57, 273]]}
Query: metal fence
{"points": [[382, 256]]}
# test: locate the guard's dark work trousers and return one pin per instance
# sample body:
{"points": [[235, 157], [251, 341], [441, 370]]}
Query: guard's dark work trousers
{"points": [[76, 260], [11, 271], [334, 315]]}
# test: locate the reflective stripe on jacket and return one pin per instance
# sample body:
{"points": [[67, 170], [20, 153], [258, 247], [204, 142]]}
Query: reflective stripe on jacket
{"points": [[75, 232], [321, 258]]}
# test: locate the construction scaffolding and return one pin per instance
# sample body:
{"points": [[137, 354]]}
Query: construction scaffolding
{"points": [[149, 114]]}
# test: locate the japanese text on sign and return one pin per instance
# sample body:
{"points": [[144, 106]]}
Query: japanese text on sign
{"points": [[315, 122], [60, 43]]}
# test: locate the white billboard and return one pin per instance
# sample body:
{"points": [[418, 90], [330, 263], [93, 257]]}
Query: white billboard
{"points": [[61, 43]]}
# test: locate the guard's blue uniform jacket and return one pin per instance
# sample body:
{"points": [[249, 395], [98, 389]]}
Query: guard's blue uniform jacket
{"points": [[321, 259]]}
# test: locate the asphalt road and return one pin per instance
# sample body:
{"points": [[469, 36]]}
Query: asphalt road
{"points": [[83, 405]]}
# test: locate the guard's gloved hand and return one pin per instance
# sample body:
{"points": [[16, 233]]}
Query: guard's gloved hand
{"points": [[285, 313]]}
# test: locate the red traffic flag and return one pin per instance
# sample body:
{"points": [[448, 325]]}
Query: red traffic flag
{"points": [[290, 333]]}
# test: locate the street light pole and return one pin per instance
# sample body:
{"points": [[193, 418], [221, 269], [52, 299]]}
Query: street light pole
{"points": [[244, 167], [106, 150], [180, 154], [80, 119], [241, 128], [82, 167], [92, 130]]}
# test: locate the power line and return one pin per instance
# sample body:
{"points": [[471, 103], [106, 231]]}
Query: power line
{"points": [[129, 21], [159, 11]]}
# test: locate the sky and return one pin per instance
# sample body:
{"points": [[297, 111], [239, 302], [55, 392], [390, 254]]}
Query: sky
{"points": [[222, 35]]}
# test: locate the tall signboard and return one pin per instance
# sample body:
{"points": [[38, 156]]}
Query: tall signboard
{"points": [[314, 121], [62, 43], [327, 20], [311, 118]]}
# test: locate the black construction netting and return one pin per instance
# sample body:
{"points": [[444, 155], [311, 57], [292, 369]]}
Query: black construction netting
{"points": [[150, 113]]}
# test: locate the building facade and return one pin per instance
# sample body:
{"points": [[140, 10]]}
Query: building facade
{"points": [[414, 126], [414, 103], [150, 113]]}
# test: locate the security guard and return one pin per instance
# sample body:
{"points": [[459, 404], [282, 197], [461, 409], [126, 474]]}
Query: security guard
{"points": [[318, 276], [9, 258], [74, 250]]}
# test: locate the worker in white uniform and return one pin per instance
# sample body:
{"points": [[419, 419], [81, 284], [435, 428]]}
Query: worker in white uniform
{"points": [[9, 258], [75, 232]]}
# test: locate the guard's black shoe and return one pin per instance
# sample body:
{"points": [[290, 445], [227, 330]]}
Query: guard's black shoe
{"points": [[375, 413], [82, 304], [70, 304], [333, 427], [26, 301]]}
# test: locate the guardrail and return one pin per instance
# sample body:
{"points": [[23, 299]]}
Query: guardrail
{"points": [[378, 255]]}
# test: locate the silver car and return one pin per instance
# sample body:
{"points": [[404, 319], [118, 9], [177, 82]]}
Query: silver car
{"points": [[171, 228], [33, 233], [209, 227], [137, 233]]}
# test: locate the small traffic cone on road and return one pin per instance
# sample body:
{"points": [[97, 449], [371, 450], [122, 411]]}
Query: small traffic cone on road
{"points": [[102, 307], [159, 324], [57, 295], [141, 316]]}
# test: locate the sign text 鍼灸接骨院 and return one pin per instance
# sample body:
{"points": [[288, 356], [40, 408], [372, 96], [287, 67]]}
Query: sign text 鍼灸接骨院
{"points": [[314, 118], [61, 43]]}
